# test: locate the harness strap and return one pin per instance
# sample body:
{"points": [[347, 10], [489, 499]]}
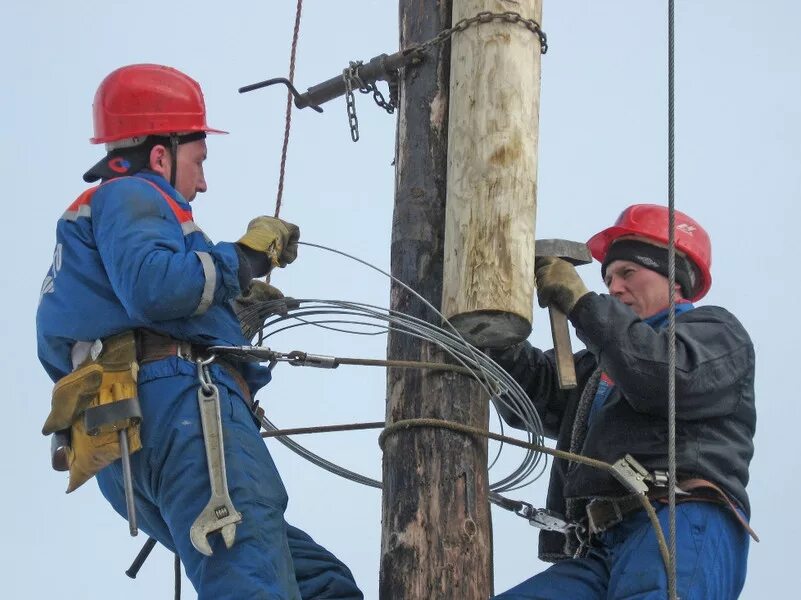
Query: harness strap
{"points": [[603, 514], [693, 486], [152, 346]]}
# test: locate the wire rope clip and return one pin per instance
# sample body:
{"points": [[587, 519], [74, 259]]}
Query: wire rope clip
{"points": [[296, 358], [249, 353], [545, 519], [631, 474]]}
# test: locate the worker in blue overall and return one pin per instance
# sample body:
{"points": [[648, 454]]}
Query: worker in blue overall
{"points": [[609, 550], [134, 297]]}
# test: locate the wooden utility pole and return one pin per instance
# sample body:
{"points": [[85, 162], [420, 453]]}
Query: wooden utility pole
{"points": [[436, 534], [492, 175]]}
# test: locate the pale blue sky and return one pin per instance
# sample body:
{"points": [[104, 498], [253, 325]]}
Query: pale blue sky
{"points": [[602, 147]]}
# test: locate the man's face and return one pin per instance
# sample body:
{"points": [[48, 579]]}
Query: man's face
{"points": [[644, 290], [190, 180]]}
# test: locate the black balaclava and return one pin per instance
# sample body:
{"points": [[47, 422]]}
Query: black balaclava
{"points": [[654, 258]]}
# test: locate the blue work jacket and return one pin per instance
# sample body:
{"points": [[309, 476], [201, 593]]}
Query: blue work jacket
{"points": [[129, 255]]}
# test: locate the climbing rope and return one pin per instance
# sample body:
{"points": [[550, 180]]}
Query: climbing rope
{"points": [[671, 564], [285, 146], [407, 424]]}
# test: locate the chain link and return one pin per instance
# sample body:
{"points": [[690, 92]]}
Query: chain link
{"points": [[378, 97], [351, 75], [486, 17], [353, 80]]}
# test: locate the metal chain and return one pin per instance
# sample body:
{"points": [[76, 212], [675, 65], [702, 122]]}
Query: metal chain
{"points": [[486, 17], [378, 97], [352, 78], [351, 75]]}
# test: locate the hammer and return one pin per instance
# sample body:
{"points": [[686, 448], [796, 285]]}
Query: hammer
{"points": [[576, 253]]}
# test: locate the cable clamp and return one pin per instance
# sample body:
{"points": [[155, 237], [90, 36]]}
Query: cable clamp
{"points": [[296, 358], [631, 474], [542, 518], [248, 353]]}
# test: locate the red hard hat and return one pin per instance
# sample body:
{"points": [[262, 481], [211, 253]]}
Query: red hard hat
{"points": [[650, 221], [142, 100]]}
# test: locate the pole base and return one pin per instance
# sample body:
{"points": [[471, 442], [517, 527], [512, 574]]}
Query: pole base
{"points": [[491, 328]]}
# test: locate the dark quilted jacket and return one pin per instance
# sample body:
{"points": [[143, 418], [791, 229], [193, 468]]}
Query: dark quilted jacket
{"points": [[715, 409]]}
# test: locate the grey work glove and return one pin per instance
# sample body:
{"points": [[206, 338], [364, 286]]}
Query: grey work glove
{"points": [[273, 237], [558, 284], [251, 310]]}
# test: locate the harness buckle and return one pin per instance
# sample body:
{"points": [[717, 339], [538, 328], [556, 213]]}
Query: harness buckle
{"points": [[183, 350], [542, 518], [660, 479]]}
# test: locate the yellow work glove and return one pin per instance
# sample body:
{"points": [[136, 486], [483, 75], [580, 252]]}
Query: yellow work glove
{"points": [[273, 237], [250, 310], [558, 284]]}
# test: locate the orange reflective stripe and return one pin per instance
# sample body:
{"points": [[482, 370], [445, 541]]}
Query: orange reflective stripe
{"points": [[182, 214], [84, 198], [81, 207]]}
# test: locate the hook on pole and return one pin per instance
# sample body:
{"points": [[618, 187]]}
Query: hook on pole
{"points": [[276, 80]]}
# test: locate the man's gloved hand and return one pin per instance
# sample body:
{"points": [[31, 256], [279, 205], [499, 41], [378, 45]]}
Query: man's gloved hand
{"points": [[248, 310], [273, 237], [259, 291], [558, 284]]}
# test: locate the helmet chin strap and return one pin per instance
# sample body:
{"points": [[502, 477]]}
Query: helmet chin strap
{"points": [[174, 142]]}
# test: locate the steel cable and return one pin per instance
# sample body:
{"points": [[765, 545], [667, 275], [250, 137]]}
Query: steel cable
{"points": [[503, 390], [672, 591], [496, 383]]}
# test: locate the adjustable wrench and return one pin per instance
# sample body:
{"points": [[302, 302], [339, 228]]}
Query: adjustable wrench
{"points": [[219, 514]]}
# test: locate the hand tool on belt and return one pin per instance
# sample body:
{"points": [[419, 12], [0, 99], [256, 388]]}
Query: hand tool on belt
{"points": [[122, 408], [576, 253], [153, 346], [95, 414], [219, 513]]}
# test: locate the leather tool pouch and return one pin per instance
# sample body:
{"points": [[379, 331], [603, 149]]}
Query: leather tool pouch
{"points": [[91, 406]]}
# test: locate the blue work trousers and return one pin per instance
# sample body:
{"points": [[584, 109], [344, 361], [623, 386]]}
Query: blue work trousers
{"points": [[269, 559], [711, 554]]}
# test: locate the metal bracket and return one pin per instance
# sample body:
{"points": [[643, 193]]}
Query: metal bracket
{"points": [[631, 474], [115, 416], [544, 519], [379, 68]]}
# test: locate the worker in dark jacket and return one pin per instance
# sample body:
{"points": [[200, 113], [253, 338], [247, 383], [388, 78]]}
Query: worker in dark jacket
{"points": [[620, 408]]}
